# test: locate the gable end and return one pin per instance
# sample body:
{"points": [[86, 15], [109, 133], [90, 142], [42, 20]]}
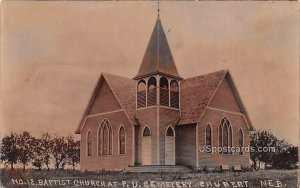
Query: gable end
{"points": [[226, 97]]}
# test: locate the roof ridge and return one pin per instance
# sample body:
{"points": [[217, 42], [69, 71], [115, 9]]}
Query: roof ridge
{"points": [[115, 75], [222, 70]]}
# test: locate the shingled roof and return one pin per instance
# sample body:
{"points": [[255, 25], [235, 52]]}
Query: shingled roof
{"points": [[158, 57], [123, 89], [196, 93]]}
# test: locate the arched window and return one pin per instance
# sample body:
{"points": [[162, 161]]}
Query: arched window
{"points": [[225, 135], [208, 138], [146, 131], [122, 135], [105, 138], [141, 94], [241, 141], [174, 94], [164, 91], [89, 143], [142, 85], [170, 132], [151, 91]]}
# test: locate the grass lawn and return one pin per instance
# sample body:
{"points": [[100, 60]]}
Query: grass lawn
{"points": [[70, 178]]}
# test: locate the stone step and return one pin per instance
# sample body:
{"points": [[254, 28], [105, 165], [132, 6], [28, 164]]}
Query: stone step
{"points": [[158, 168]]}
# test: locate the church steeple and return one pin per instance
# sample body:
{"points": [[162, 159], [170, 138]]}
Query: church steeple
{"points": [[158, 81], [158, 58]]}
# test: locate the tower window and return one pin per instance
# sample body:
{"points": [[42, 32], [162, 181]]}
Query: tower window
{"points": [[141, 94], [164, 91], [174, 94], [151, 98]]}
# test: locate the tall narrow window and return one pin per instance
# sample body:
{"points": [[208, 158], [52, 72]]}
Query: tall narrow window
{"points": [[100, 141], [164, 91], [122, 140], [208, 138], [221, 135], [105, 138], [230, 138], [174, 94], [141, 94], [110, 141], [89, 144], [241, 141], [151, 91], [225, 135]]}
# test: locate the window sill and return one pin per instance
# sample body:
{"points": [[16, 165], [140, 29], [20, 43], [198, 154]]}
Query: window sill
{"points": [[226, 154], [105, 155]]}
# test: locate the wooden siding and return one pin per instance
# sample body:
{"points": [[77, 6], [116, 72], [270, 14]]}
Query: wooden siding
{"points": [[186, 145]]}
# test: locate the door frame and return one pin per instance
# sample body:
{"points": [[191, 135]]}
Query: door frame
{"points": [[174, 143], [150, 145]]}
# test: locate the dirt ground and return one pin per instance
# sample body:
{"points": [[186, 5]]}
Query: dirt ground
{"points": [[70, 178]]}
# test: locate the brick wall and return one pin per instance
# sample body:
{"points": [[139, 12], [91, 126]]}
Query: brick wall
{"points": [[115, 161], [213, 117], [225, 98], [104, 100]]}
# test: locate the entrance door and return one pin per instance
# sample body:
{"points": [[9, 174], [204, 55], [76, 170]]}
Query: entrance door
{"points": [[146, 147], [170, 147]]}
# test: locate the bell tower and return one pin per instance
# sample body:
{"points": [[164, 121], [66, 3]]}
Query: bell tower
{"points": [[157, 99], [158, 79]]}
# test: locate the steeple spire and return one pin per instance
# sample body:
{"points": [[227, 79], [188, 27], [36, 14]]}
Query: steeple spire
{"points": [[158, 58], [158, 10]]}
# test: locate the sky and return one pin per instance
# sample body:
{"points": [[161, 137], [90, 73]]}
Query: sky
{"points": [[52, 53]]}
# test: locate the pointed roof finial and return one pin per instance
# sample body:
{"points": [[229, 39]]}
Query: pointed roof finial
{"points": [[158, 58], [158, 9]]}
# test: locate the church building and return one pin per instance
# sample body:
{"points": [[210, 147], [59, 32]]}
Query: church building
{"points": [[160, 118]]}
